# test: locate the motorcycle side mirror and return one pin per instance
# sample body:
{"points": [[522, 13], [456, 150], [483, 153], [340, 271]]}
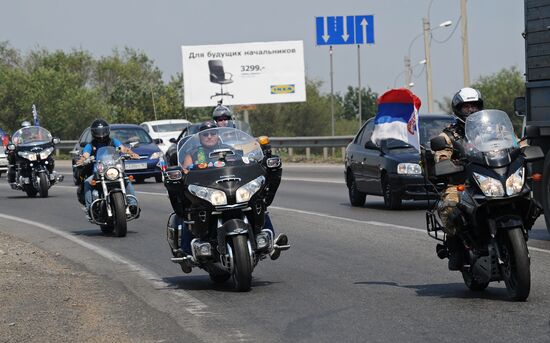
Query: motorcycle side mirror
{"points": [[83, 144], [173, 173], [533, 153], [56, 141], [519, 106], [10, 147], [370, 145], [531, 131], [447, 167], [172, 140], [438, 143]]}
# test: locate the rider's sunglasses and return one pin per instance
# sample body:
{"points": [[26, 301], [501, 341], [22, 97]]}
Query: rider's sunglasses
{"points": [[206, 134], [222, 118]]}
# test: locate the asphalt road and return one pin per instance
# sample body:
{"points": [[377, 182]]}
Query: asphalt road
{"points": [[352, 274]]}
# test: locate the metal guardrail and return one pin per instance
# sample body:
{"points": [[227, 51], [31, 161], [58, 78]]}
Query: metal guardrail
{"points": [[289, 143]]}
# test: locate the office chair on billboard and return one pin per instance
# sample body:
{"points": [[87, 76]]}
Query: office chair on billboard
{"points": [[217, 75]]}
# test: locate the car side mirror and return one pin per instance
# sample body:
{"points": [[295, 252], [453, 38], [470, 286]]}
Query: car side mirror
{"points": [[173, 140], [438, 143], [158, 140], [83, 144], [446, 167], [370, 145], [56, 141], [10, 147], [520, 106], [533, 153]]}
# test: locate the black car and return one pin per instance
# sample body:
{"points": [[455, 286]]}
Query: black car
{"points": [[392, 169], [141, 143]]}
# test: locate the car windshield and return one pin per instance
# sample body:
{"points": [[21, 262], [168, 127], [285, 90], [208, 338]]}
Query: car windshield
{"points": [[31, 135], [431, 127], [169, 127], [219, 147], [489, 130], [131, 135]]}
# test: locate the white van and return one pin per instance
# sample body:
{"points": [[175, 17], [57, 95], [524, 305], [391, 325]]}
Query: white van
{"points": [[165, 129]]}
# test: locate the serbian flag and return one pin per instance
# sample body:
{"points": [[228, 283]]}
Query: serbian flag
{"points": [[397, 117]]}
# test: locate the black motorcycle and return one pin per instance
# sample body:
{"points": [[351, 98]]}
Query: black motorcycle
{"points": [[495, 209], [221, 201], [33, 148], [109, 208]]}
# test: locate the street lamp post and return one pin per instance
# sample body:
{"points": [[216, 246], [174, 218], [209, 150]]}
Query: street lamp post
{"points": [[426, 32]]}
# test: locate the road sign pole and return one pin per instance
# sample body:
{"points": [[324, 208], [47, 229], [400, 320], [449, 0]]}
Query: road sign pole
{"points": [[331, 90], [359, 91]]}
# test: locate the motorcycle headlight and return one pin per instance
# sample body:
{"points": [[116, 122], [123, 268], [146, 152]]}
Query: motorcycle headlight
{"points": [[409, 169], [45, 153], [112, 174], [156, 155], [489, 186], [514, 183], [31, 156], [244, 193], [214, 196]]}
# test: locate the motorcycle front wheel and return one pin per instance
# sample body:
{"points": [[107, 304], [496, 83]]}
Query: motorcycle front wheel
{"points": [[119, 214], [242, 271], [516, 269], [43, 185]]}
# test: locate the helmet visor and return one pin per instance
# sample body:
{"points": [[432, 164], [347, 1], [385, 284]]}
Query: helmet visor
{"points": [[100, 132]]}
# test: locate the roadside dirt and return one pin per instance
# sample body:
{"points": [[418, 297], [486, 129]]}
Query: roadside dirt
{"points": [[46, 298]]}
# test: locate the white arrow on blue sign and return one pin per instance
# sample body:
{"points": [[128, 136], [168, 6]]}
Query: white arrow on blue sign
{"points": [[341, 30]]}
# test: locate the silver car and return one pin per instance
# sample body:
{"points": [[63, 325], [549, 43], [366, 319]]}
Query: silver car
{"points": [[3, 160]]}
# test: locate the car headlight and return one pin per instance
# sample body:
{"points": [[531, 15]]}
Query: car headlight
{"points": [[214, 196], [112, 174], [31, 156], [409, 169], [156, 155], [244, 193], [45, 153], [514, 183], [489, 186]]}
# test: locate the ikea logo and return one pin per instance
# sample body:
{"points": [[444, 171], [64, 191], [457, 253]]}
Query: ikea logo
{"points": [[283, 89]]}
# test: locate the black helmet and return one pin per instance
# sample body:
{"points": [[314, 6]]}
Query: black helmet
{"points": [[221, 112], [466, 95], [209, 124], [100, 130]]}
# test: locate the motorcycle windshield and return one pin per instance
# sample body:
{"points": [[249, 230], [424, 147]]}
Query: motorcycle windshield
{"points": [[32, 135], [219, 147], [107, 155]]}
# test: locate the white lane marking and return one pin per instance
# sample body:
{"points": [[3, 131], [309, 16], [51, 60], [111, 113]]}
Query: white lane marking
{"points": [[192, 305], [357, 221], [312, 180]]}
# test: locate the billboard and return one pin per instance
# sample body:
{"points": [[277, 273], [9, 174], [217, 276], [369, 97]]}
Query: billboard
{"points": [[240, 74]]}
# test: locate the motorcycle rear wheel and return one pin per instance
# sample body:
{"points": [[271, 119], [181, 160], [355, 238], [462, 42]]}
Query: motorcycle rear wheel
{"points": [[43, 185], [119, 214], [516, 269], [242, 270]]}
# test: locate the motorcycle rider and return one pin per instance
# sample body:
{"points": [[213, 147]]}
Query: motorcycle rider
{"points": [[465, 102], [100, 138], [222, 116], [210, 141], [12, 158]]}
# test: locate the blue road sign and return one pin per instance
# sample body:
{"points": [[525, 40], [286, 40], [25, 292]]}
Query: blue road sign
{"points": [[342, 30]]}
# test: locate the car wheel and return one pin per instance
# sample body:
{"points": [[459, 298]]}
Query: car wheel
{"points": [[356, 197], [392, 200]]}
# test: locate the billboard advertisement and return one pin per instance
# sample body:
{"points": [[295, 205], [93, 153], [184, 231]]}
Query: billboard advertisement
{"points": [[241, 74]]}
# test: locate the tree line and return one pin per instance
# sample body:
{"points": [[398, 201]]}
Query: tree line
{"points": [[71, 89]]}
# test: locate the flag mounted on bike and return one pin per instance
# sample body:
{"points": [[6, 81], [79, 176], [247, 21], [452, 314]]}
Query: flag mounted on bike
{"points": [[397, 117], [35, 116]]}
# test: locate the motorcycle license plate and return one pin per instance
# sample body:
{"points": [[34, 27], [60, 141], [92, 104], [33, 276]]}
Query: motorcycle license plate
{"points": [[134, 166]]}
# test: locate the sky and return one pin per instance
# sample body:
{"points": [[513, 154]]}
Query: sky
{"points": [[160, 28]]}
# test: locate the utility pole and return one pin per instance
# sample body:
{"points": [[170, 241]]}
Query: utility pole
{"points": [[465, 52], [427, 33], [408, 72]]}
